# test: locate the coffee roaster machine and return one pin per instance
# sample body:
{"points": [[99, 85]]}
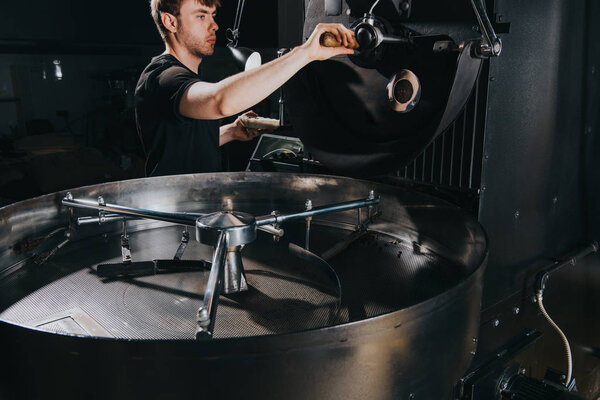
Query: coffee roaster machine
{"points": [[443, 267]]}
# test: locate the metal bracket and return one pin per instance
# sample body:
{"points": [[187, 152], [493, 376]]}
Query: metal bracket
{"points": [[491, 45], [185, 238], [125, 249]]}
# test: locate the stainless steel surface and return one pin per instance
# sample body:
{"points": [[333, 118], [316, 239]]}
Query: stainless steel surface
{"points": [[231, 229], [234, 279], [411, 291]]}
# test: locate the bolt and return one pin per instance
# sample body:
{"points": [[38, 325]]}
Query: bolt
{"points": [[593, 70], [308, 205], [69, 196], [533, 299], [492, 78], [472, 352], [504, 386], [475, 340], [405, 6], [101, 201], [475, 28], [371, 195], [486, 157], [496, 322], [516, 310], [202, 315], [227, 205], [348, 11], [499, 18], [517, 214], [483, 188], [411, 396], [554, 200], [522, 371]]}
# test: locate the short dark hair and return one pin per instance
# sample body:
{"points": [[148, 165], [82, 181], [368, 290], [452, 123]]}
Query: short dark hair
{"points": [[157, 7]]}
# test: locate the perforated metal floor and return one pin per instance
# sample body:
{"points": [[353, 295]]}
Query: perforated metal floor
{"points": [[378, 274]]}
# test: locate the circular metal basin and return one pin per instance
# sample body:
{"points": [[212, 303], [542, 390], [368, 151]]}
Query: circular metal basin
{"points": [[393, 314]]}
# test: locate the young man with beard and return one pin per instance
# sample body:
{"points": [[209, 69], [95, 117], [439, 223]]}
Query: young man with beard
{"points": [[177, 112]]}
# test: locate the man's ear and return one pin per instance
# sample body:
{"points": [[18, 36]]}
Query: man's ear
{"points": [[169, 21]]}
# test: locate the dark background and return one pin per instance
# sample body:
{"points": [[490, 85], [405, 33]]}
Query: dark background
{"points": [[57, 134]]}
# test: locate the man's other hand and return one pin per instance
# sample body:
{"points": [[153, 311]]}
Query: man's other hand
{"points": [[237, 131]]}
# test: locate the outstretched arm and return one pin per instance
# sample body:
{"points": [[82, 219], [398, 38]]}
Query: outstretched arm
{"points": [[239, 92]]}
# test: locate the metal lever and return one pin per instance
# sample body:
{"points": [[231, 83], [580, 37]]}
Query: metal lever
{"points": [[208, 310], [493, 44]]}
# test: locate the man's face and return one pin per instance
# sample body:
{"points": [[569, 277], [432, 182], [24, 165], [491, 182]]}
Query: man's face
{"points": [[197, 27]]}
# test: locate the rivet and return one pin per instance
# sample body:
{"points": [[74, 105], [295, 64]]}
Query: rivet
{"points": [[492, 78]]}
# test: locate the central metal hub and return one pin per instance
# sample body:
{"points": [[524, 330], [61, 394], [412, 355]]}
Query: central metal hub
{"points": [[240, 229]]}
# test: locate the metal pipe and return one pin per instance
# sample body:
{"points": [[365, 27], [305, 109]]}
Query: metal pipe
{"points": [[108, 218], [208, 310], [177, 218], [105, 219], [544, 275], [344, 206]]}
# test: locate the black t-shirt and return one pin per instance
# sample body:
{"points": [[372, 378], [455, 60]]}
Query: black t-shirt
{"points": [[173, 144]]}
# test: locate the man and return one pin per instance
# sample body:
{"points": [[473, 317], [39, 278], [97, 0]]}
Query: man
{"points": [[177, 113]]}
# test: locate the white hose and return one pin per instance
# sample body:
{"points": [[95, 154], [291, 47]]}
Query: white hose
{"points": [[562, 335]]}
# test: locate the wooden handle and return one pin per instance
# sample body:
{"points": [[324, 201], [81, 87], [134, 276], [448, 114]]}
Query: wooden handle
{"points": [[328, 39]]}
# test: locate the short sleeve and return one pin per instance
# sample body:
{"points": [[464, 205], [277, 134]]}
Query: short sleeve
{"points": [[172, 84]]}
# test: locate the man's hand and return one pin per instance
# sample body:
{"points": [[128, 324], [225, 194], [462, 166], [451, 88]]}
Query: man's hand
{"points": [[237, 131], [316, 51]]}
